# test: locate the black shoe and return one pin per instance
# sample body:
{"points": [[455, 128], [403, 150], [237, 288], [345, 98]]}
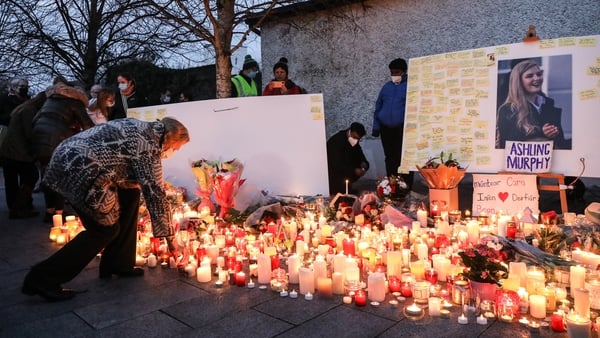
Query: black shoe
{"points": [[53, 293], [20, 214], [134, 272]]}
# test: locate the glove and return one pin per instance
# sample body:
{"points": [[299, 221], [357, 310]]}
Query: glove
{"points": [[375, 133]]}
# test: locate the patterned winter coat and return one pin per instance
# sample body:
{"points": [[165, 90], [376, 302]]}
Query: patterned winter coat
{"points": [[87, 169]]}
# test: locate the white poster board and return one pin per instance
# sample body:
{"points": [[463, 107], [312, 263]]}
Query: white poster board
{"points": [[453, 99], [280, 140], [509, 193]]}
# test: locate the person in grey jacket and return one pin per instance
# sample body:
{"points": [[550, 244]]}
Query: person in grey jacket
{"points": [[100, 172]]}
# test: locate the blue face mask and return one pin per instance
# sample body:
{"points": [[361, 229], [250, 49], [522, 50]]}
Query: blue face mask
{"points": [[252, 74]]}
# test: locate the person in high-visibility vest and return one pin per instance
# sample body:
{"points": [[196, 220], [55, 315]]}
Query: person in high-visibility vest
{"points": [[243, 84]]}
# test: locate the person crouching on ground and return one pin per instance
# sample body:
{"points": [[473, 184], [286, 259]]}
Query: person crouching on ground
{"points": [[100, 172], [345, 159]]}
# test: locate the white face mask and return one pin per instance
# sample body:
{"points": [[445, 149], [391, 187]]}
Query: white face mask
{"points": [[352, 141], [167, 153], [122, 86], [396, 79]]}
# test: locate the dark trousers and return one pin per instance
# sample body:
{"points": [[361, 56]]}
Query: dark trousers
{"points": [[118, 241], [19, 181], [391, 140], [52, 199]]}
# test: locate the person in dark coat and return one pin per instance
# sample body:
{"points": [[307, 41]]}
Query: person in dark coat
{"points": [[63, 115], [101, 172], [126, 97], [346, 161], [20, 171]]}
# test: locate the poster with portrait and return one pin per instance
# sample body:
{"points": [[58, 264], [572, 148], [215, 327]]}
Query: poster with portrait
{"points": [[470, 103]]}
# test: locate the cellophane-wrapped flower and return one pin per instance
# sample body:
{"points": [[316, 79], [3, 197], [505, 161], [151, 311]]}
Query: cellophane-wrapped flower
{"points": [[226, 183], [204, 172]]}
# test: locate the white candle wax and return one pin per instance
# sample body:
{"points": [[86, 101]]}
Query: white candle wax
{"points": [[293, 264], [518, 269], [337, 283], [264, 268], [339, 263], [376, 287], [307, 280], [300, 248], [203, 274], [537, 306], [422, 251], [152, 260], [578, 326], [481, 320], [394, 263], [320, 268], [582, 302], [212, 251], [57, 220], [577, 278], [405, 257], [435, 306], [324, 287], [462, 319], [473, 232]]}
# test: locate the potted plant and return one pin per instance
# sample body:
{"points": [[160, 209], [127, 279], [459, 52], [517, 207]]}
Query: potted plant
{"points": [[443, 174], [484, 268]]}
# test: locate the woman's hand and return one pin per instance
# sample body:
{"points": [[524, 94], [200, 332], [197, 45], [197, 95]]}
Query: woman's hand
{"points": [[550, 130]]}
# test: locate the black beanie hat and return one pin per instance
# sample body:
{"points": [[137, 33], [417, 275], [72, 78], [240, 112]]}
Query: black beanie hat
{"points": [[282, 63], [399, 64], [249, 62]]}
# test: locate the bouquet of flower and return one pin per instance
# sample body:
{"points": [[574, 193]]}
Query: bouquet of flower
{"points": [[226, 182], [442, 173], [204, 172], [484, 263], [390, 186]]}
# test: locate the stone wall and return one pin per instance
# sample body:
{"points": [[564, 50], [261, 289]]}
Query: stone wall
{"points": [[344, 52]]}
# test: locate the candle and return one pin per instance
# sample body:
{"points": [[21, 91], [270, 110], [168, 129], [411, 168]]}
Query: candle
{"points": [[435, 306], [283, 293], [431, 276], [320, 267], [324, 287], [251, 284], [240, 279], [264, 268], [417, 268], [536, 278], [308, 296], [422, 251], [537, 306], [421, 218], [339, 263], [203, 274], [293, 263], [376, 286], [346, 187], [481, 320], [578, 326], [307, 280], [577, 278], [413, 310], [581, 305], [152, 260], [337, 281], [293, 294], [57, 220], [518, 270], [349, 247], [557, 321], [406, 289], [212, 251], [405, 257], [300, 247], [360, 298], [473, 232], [347, 299], [462, 319]]}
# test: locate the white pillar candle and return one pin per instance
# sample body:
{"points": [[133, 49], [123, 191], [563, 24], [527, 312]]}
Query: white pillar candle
{"points": [[264, 268], [190, 270], [339, 263], [337, 279], [324, 287], [435, 304], [582, 302], [300, 248], [307, 280], [405, 257], [323, 249], [152, 260], [444, 267], [518, 269], [577, 278], [537, 306], [325, 230], [203, 274], [502, 223], [473, 232], [443, 228], [212, 251], [421, 218], [422, 251], [536, 278], [293, 264], [220, 241], [320, 267], [376, 287], [57, 220], [394, 263], [352, 271], [220, 261]]}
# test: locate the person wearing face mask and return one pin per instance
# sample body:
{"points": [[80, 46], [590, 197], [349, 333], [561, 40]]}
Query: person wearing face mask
{"points": [[388, 118], [126, 97], [99, 107], [101, 172], [346, 161], [243, 84]]}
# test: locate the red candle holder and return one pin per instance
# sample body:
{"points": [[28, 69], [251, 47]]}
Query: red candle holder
{"points": [[349, 247], [360, 298], [511, 230], [394, 284], [557, 321], [274, 262], [406, 289], [431, 275], [240, 279]]}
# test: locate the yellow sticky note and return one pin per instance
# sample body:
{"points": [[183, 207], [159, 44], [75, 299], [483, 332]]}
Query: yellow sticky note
{"points": [[502, 50], [549, 43], [588, 94], [565, 42], [587, 42], [593, 70]]}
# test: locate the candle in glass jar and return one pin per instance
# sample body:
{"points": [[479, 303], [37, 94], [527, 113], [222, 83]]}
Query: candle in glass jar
{"points": [[557, 321], [360, 298], [349, 247], [417, 268], [537, 306], [578, 326], [376, 286], [240, 279]]}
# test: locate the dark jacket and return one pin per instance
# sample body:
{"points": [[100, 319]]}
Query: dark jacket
{"points": [[8, 103], [342, 160], [62, 115], [508, 130], [390, 105], [19, 136], [134, 100]]}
